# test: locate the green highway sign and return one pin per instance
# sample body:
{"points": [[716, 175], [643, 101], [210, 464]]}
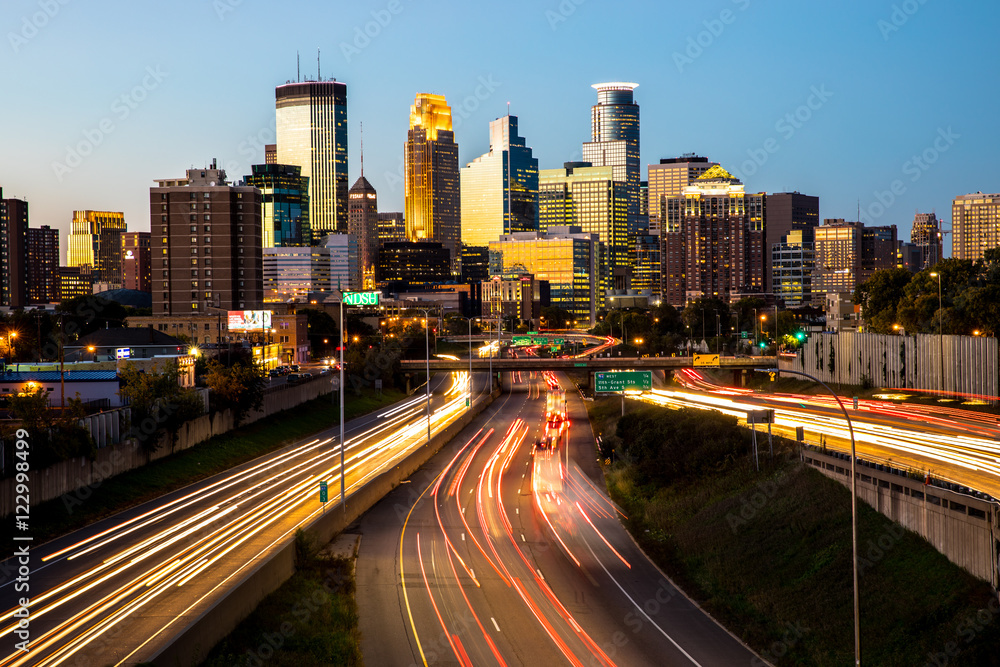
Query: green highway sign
{"points": [[744, 334], [322, 492], [559, 341], [607, 381], [580, 364], [540, 341], [361, 298], [522, 340]]}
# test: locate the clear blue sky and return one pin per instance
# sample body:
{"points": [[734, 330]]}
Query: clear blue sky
{"points": [[896, 79]]}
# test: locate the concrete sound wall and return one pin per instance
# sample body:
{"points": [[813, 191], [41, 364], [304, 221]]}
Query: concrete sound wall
{"points": [[191, 645], [963, 528]]}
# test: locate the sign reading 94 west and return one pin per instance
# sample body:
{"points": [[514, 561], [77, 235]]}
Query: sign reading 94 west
{"points": [[361, 298], [607, 381]]}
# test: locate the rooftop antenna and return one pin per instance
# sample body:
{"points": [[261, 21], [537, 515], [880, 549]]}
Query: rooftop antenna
{"points": [[319, 77], [298, 69], [362, 149]]}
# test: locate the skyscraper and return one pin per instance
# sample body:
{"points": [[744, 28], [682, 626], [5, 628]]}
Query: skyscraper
{"points": [[878, 250], [500, 188], [431, 180], [95, 240], [13, 255], [42, 264], [838, 258], [614, 141], [592, 199], [787, 211], [284, 204], [975, 223], [206, 243], [362, 215], [792, 265], [926, 235], [137, 261], [718, 249], [311, 121]]}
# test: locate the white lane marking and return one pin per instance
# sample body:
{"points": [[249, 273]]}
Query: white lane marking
{"points": [[540, 575], [463, 537], [522, 538], [495, 623]]}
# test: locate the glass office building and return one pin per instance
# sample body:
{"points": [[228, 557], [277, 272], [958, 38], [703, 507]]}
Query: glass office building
{"points": [[431, 178], [500, 188], [792, 264], [95, 240], [311, 119], [284, 204], [565, 257]]}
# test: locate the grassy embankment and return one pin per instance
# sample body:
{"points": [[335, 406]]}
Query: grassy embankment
{"points": [[310, 621], [83, 507], [769, 553]]}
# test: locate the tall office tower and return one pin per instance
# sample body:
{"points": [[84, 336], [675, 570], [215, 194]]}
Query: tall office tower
{"points": [[719, 246], [837, 245], [591, 198], [926, 235], [500, 188], [975, 224], [646, 276], [787, 211], [311, 121], [206, 244], [363, 225], [668, 179], [431, 180], [95, 239], [391, 228], [13, 255], [137, 261], [566, 257], [42, 251], [614, 142], [792, 264], [878, 250], [284, 208]]}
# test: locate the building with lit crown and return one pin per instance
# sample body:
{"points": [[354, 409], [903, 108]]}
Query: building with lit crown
{"points": [[668, 180], [95, 240], [717, 249], [614, 142], [500, 188], [284, 196], [565, 257], [311, 123], [431, 177]]}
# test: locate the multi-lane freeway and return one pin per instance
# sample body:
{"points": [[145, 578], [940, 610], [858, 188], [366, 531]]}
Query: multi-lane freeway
{"points": [[501, 553], [115, 592]]}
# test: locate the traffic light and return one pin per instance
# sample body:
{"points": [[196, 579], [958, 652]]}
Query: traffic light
{"points": [[800, 336], [763, 345]]}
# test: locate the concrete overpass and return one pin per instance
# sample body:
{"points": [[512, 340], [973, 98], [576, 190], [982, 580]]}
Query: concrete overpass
{"points": [[595, 364]]}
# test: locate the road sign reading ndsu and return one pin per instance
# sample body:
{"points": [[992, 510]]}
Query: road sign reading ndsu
{"points": [[322, 492], [607, 381], [361, 298]]}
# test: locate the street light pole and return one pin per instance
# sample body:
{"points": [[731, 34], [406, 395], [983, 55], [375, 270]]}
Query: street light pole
{"points": [[940, 329], [854, 508], [427, 349], [343, 497]]}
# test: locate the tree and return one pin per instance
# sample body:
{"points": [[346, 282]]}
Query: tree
{"points": [[699, 316], [55, 434], [879, 298], [239, 388], [84, 315], [555, 317], [158, 404]]}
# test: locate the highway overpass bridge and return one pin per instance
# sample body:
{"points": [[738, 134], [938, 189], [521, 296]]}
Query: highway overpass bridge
{"points": [[589, 365]]}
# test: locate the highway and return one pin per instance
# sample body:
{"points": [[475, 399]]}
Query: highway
{"points": [[952, 444], [114, 592], [502, 554]]}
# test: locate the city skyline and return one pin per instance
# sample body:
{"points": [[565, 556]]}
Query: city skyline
{"points": [[853, 139]]}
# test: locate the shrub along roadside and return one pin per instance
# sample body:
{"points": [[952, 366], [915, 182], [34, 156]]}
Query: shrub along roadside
{"points": [[85, 506], [769, 554]]}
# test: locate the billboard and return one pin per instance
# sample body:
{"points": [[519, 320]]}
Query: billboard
{"points": [[249, 320]]}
